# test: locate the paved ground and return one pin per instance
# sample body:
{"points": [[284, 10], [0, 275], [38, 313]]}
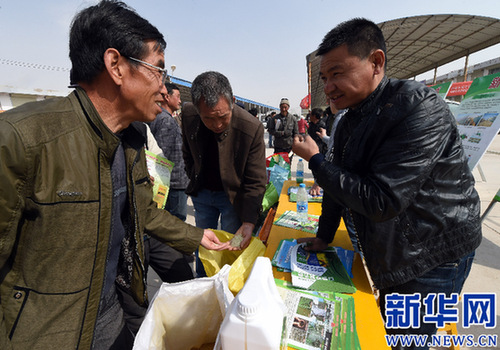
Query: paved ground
{"points": [[485, 273]]}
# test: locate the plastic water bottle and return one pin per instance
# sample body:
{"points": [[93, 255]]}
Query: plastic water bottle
{"points": [[254, 321], [300, 172], [302, 205]]}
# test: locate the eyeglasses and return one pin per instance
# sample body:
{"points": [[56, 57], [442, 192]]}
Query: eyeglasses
{"points": [[162, 71]]}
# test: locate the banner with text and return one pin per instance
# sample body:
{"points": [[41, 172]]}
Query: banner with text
{"points": [[477, 116], [442, 89]]}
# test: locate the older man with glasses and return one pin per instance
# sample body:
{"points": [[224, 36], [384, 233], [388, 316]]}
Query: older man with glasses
{"points": [[76, 197]]}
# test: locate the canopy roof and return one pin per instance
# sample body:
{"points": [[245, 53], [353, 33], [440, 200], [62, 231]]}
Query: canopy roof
{"points": [[416, 45]]}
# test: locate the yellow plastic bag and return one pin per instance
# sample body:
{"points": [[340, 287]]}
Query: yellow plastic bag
{"points": [[241, 261]]}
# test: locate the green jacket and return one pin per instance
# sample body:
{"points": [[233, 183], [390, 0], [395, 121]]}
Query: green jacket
{"points": [[55, 218]]}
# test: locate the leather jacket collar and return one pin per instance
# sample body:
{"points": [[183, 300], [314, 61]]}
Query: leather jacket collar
{"points": [[369, 104]]}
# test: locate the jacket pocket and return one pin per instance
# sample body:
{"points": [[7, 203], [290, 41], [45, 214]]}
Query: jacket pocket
{"points": [[58, 245], [44, 321]]}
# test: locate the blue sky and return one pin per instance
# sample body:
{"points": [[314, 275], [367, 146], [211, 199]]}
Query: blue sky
{"points": [[259, 45]]}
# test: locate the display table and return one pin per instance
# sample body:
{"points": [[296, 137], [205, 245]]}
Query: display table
{"points": [[370, 327]]}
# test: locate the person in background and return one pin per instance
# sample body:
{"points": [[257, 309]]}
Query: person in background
{"points": [[315, 126], [329, 116], [168, 135], [224, 153], [268, 122], [397, 170], [283, 127], [253, 112], [76, 197], [302, 125]]}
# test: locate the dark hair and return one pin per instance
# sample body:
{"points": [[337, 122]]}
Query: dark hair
{"points": [[317, 112], [109, 24], [171, 87], [327, 112], [361, 36], [210, 86]]}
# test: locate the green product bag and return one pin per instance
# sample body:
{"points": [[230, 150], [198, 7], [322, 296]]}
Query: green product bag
{"points": [[271, 197]]}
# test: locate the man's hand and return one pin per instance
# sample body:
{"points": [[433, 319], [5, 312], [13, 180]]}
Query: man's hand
{"points": [[313, 243], [315, 190], [245, 231], [321, 133], [304, 146], [211, 242]]}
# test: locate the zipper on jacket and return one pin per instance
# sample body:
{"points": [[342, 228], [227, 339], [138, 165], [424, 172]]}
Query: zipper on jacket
{"points": [[355, 231], [349, 212], [136, 229]]}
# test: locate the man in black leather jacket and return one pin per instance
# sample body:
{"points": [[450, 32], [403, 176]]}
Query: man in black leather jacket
{"points": [[398, 169]]}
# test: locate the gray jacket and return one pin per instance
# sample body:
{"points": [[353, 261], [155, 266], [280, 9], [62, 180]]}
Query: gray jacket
{"points": [[283, 129]]}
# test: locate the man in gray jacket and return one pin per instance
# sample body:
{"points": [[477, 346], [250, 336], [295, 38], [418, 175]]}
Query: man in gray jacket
{"points": [[283, 127]]}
